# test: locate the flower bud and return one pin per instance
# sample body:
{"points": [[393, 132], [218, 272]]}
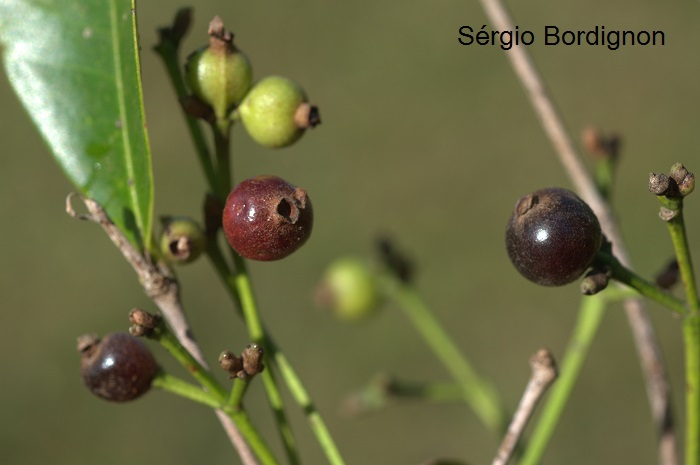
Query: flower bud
{"points": [[684, 178]]}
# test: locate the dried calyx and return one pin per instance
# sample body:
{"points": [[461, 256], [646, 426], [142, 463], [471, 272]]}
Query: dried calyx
{"points": [[182, 240], [248, 364]]}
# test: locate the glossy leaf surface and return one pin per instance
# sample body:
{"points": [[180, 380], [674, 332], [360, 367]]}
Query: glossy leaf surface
{"points": [[75, 66]]}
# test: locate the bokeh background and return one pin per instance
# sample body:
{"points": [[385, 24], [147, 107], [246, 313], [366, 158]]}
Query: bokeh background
{"points": [[424, 140]]}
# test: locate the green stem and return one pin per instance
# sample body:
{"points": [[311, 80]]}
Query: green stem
{"points": [[691, 329], [302, 398], [434, 392], [240, 386], [170, 342], [376, 393], [215, 398], [691, 333], [644, 287], [477, 392], [260, 336], [222, 145], [247, 301], [241, 291], [182, 388], [274, 396], [589, 318], [676, 228], [246, 427], [605, 175], [169, 54]]}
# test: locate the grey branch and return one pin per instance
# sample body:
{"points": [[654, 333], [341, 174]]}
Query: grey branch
{"points": [[163, 289], [658, 389], [544, 372]]}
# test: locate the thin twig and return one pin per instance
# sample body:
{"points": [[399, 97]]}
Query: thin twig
{"points": [[164, 291], [544, 372], [658, 389]]}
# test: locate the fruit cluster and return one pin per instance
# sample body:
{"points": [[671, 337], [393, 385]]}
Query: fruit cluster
{"points": [[275, 111], [264, 218]]}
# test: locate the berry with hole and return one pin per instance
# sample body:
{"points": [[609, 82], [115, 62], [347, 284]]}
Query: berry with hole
{"points": [[266, 218]]}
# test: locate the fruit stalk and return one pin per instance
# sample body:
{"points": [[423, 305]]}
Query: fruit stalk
{"points": [[590, 315], [168, 49], [644, 287], [260, 336], [671, 200], [476, 392]]}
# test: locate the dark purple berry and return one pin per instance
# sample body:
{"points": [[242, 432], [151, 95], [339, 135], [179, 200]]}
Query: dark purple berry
{"points": [[266, 218], [118, 367], [552, 237]]}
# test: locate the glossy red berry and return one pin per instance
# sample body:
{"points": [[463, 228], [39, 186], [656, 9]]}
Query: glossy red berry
{"points": [[552, 237], [266, 218], [118, 368]]}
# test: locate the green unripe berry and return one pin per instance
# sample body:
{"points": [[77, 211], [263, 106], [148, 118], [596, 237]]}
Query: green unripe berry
{"points": [[349, 289], [182, 240], [276, 112], [219, 74]]}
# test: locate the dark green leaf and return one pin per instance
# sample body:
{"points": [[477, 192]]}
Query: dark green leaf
{"points": [[75, 66]]}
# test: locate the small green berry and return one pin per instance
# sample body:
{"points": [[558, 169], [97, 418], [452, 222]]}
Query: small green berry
{"points": [[349, 289], [219, 74], [182, 240], [276, 112]]}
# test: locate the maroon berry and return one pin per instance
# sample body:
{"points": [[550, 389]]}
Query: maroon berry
{"points": [[266, 218], [117, 368], [552, 237]]}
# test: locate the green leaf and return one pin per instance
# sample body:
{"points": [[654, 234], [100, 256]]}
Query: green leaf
{"points": [[75, 66]]}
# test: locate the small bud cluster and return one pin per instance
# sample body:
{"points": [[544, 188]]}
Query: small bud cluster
{"points": [[248, 364], [143, 324], [671, 189], [677, 184]]}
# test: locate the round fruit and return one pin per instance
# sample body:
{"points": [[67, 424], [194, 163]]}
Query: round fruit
{"points": [[275, 112], [117, 368], [219, 77], [182, 240], [552, 237], [349, 289], [266, 218]]}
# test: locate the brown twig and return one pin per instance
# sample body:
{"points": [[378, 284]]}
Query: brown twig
{"points": [[658, 389], [163, 289], [544, 372]]}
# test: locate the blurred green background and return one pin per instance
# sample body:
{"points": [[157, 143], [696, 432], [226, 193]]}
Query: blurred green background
{"points": [[422, 139]]}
